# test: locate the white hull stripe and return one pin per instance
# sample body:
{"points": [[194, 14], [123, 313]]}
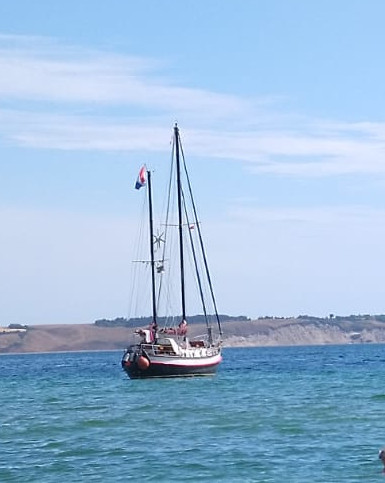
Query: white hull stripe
{"points": [[184, 362]]}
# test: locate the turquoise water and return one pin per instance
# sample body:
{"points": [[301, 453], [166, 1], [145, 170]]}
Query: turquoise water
{"points": [[297, 414]]}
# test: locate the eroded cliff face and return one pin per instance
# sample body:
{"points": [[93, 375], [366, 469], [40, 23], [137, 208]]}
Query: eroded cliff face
{"points": [[65, 337], [297, 334], [304, 331], [262, 332]]}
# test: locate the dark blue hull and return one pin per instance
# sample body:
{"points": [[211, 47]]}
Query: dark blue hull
{"points": [[161, 370], [169, 367]]}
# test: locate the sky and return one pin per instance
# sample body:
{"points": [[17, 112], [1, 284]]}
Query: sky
{"points": [[281, 109]]}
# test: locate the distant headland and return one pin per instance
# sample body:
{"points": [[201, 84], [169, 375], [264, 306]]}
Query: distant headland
{"points": [[239, 331]]}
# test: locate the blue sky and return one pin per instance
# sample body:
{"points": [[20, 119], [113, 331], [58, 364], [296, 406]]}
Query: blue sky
{"points": [[281, 109]]}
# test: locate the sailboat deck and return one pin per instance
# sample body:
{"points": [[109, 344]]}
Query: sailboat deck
{"points": [[174, 350]]}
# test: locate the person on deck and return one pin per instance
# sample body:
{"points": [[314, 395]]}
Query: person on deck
{"points": [[146, 335], [182, 328]]}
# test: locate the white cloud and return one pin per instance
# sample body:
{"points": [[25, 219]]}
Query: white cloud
{"points": [[69, 75], [66, 132], [333, 216], [273, 152], [42, 82]]}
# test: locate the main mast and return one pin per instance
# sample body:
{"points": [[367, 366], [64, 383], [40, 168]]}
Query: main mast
{"points": [[180, 221], [154, 321]]}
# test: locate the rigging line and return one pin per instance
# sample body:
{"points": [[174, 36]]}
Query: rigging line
{"points": [[195, 261], [135, 291], [201, 241], [166, 221], [142, 285]]}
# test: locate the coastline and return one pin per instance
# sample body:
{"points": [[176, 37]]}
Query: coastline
{"points": [[263, 332]]}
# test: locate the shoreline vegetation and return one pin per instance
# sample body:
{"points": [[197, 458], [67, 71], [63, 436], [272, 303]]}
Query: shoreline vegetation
{"points": [[238, 332]]}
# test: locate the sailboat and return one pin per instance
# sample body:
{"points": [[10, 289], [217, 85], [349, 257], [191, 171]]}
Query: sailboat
{"points": [[167, 350]]}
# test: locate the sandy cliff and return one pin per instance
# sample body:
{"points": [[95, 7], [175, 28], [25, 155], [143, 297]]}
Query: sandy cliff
{"points": [[264, 332], [56, 338]]}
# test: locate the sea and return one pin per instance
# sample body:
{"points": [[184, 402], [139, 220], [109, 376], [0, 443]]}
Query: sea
{"points": [[276, 414]]}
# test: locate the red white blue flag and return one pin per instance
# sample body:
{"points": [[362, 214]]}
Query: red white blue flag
{"points": [[142, 177]]}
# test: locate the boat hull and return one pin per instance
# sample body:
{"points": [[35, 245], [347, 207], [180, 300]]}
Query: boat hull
{"points": [[170, 367]]}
